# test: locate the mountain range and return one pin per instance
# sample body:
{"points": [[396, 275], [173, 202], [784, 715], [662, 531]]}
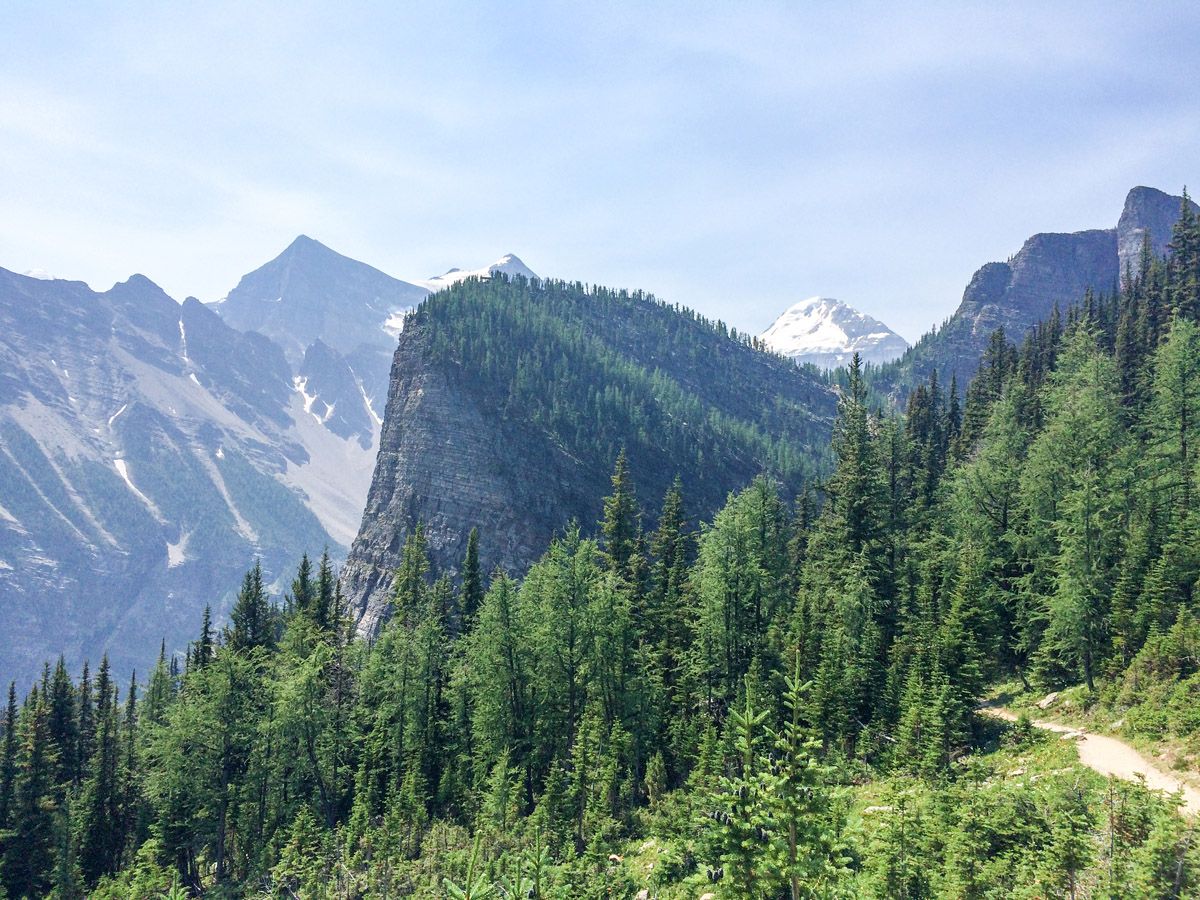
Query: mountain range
{"points": [[151, 450]]}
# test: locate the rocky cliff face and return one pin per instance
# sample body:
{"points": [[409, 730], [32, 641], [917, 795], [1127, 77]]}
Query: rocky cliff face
{"points": [[463, 446], [1149, 214], [449, 462], [1049, 270]]}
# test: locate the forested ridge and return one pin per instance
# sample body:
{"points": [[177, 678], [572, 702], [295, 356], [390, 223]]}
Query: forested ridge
{"points": [[601, 370], [777, 703]]}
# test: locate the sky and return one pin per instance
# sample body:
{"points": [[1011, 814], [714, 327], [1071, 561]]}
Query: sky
{"points": [[733, 157]]}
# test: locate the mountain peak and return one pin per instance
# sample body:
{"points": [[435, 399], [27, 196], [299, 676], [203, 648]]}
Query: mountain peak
{"points": [[304, 242], [509, 264], [827, 333], [310, 291], [1148, 214]]}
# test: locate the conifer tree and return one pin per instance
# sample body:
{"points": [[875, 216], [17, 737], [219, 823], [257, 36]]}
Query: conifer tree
{"points": [[101, 832], [61, 702], [251, 620], [203, 650], [409, 589], [87, 723], [621, 525], [29, 845], [303, 598], [471, 594], [8, 757], [327, 611]]}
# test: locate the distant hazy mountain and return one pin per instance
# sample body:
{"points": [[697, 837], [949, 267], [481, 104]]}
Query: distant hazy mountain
{"points": [[148, 454], [827, 333], [311, 293], [1049, 270], [507, 265]]}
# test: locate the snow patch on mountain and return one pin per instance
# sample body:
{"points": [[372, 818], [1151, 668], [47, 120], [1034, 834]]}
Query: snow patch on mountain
{"points": [[394, 324], [827, 333], [509, 265], [123, 470], [334, 477], [177, 551]]}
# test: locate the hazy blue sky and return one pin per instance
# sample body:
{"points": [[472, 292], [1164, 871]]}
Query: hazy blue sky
{"points": [[734, 157]]}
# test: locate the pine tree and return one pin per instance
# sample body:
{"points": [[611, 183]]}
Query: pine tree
{"points": [[500, 672], [61, 702], [303, 598], [802, 853], [8, 758], [204, 647], [251, 620], [327, 611], [29, 846], [410, 587], [621, 525], [100, 829], [471, 593], [739, 817]]}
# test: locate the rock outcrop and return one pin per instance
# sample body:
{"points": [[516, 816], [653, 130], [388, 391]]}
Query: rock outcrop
{"points": [[463, 447], [1050, 270]]}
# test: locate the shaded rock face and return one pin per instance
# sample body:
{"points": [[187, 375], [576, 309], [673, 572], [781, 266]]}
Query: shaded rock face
{"points": [[1049, 270], [339, 401], [448, 463]]}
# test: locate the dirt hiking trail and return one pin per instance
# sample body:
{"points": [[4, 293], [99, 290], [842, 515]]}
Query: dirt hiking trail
{"points": [[1110, 756]]}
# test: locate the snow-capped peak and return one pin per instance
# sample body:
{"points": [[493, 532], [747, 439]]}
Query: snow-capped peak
{"points": [[40, 275], [827, 333], [509, 264]]}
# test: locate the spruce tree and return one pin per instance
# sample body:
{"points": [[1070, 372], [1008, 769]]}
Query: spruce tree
{"points": [[471, 593], [621, 525], [327, 612], [8, 757], [29, 845], [303, 598], [251, 620], [410, 587], [203, 650]]}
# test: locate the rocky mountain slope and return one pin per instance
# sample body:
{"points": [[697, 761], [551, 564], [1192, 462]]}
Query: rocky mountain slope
{"points": [[310, 293], [1049, 270], [148, 453], [510, 399], [827, 333]]}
